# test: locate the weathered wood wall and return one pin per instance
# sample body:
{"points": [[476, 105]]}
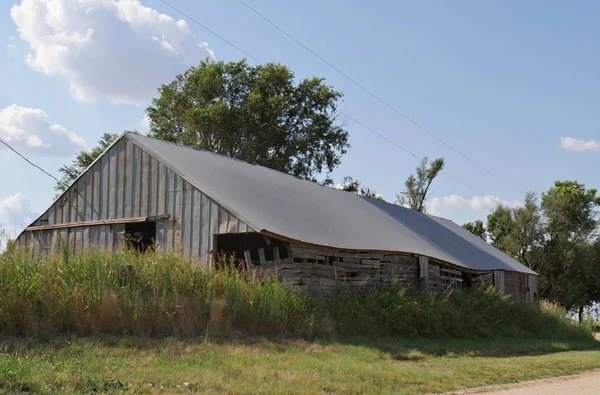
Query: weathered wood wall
{"points": [[516, 284], [325, 271], [126, 182]]}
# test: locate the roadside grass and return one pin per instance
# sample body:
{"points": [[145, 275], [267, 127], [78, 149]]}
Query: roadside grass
{"points": [[239, 364], [114, 322]]}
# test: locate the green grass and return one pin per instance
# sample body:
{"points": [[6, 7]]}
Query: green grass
{"points": [[259, 365], [109, 323]]}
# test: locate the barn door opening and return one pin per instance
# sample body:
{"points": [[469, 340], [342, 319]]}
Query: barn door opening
{"points": [[140, 235]]}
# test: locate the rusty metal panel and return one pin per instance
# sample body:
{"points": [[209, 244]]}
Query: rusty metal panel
{"points": [[152, 184], [128, 180], [187, 222], [144, 184], [214, 223], [177, 214], [81, 199], [128, 177], [161, 232], [103, 188], [161, 175], [196, 222], [96, 191], [170, 204], [88, 196], [51, 214], [232, 223], [136, 181], [85, 237], [205, 235], [223, 218]]}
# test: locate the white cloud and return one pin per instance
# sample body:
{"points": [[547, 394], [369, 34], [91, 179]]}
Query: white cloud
{"points": [[455, 205], [145, 123], [15, 212], [574, 144], [28, 130], [115, 49]]}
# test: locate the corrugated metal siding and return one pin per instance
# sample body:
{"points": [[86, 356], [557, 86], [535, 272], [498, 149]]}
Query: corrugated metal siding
{"points": [[127, 182]]}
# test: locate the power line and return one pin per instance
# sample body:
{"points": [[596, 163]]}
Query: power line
{"points": [[376, 97], [27, 160], [416, 156], [340, 112], [209, 30]]}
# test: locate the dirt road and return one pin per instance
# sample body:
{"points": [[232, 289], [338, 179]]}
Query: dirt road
{"points": [[587, 383]]}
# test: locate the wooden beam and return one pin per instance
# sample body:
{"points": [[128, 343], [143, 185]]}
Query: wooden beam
{"points": [[248, 260], [261, 256], [424, 272], [97, 223], [275, 253]]}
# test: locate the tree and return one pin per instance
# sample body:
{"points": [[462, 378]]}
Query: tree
{"points": [[349, 184], [569, 207], [477, 228], [416, 189], [570, 265], [83, 160], [518, 230], [257, 114]]}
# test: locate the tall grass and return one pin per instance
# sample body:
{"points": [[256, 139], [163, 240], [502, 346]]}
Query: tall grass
{"points": [[160, 294]]}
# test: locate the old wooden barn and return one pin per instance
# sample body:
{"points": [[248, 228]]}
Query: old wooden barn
{"points": [[315, 238]]}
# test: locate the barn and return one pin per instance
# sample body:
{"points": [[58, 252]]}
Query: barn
{"points": [[196, 203]]}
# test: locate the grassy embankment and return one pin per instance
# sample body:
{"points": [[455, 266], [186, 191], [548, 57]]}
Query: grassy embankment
{"points": [[101, 322]]}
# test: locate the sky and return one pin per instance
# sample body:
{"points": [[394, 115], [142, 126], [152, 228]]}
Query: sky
{"points": [[512, 88]]}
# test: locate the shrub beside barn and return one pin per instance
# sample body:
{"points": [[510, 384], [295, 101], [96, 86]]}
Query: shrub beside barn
{"points": [[153, 194]]}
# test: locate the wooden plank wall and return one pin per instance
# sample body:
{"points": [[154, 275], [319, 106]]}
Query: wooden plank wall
{"points": [[128, 182], [323, 272]]}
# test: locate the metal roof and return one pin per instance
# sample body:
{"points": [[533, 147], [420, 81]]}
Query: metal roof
{"points": [[283, 205]]}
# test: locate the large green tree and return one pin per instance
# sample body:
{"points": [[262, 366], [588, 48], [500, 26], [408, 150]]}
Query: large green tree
{"points": [[517, 230], [417, 186], [558, 239], [259, 114], [569, 262], [82, 161]]}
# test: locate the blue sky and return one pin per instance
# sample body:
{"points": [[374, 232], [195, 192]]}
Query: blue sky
{"points": [[501, 82]]}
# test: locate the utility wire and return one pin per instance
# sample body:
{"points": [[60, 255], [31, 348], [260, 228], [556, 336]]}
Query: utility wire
{"points": [[416, 156], [376, 97], [339, 112], [209, 30], [27, 160]]}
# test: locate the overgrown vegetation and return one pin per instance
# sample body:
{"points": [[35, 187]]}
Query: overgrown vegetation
{"points": [[158, 294]]}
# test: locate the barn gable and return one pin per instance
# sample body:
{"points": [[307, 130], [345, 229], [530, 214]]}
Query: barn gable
{"points": [[127, 185]]}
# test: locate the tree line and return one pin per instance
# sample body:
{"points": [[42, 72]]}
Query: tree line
{"points": [[263, 115], [557, 236]]}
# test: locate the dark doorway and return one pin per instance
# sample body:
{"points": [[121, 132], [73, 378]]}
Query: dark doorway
{"points": [[140, 235], [236, 244]]}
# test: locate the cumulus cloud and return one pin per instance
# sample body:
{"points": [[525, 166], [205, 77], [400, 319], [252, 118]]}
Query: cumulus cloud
{"points": [[115, 49], [574, 144], [448, 205], [28, 130], [15, 212]]}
